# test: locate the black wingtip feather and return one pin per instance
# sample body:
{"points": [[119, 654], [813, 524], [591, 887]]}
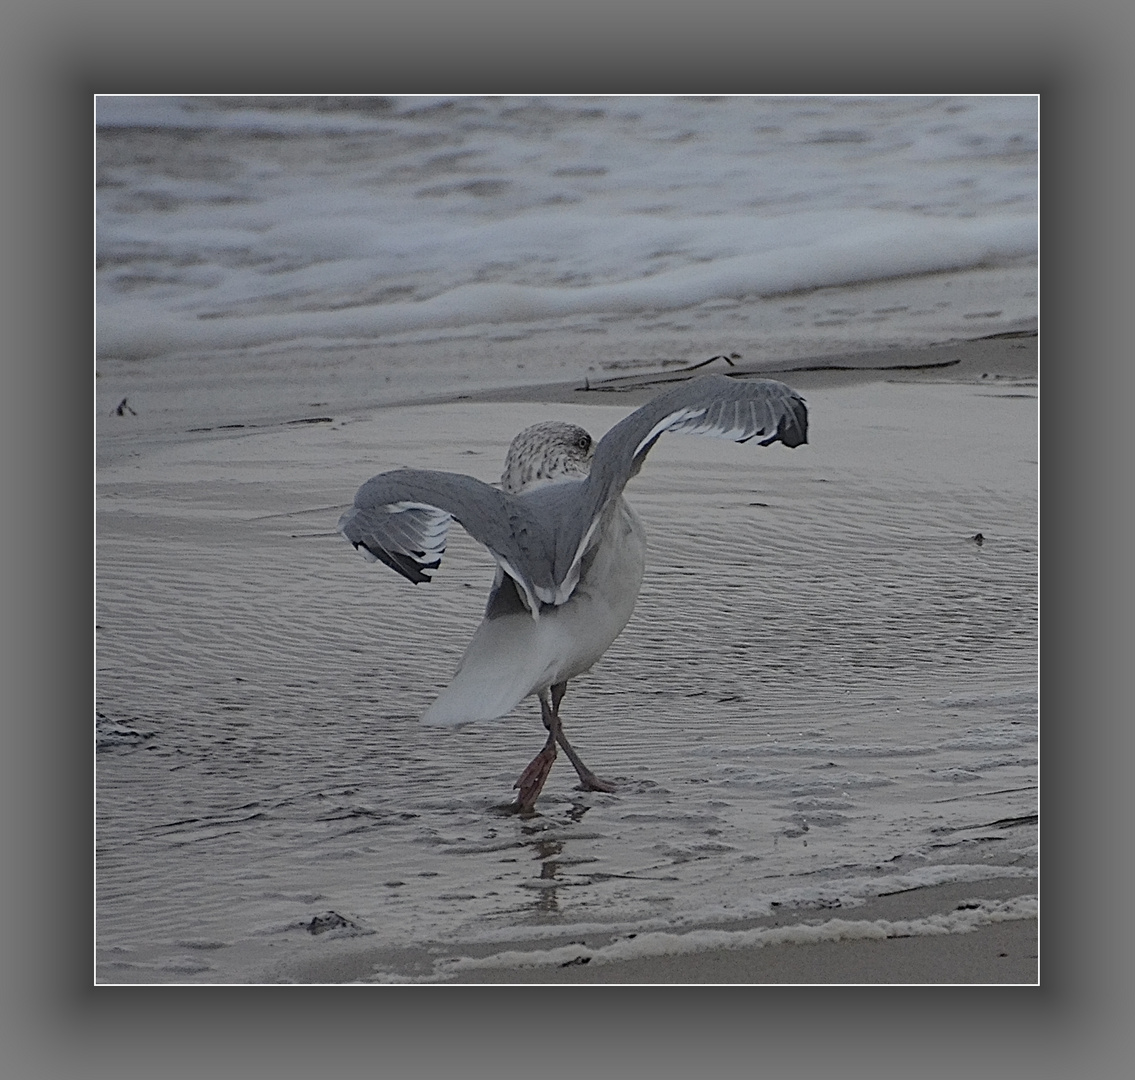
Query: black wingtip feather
{"points": [[407, 567], [793, 429]]}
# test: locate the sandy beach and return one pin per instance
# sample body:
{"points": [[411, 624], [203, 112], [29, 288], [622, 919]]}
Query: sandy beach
{"points": [[258, 684], [914, 937]]}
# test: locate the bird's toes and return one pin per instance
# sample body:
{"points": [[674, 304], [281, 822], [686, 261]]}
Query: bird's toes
{"points": [[594, 783]]}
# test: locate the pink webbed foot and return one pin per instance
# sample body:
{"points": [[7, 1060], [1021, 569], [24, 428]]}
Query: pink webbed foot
{"points": [[591, 782], [532, 780]]}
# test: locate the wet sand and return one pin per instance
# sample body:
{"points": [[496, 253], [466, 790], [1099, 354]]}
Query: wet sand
{"points": [[1005, 953], [870, 944], [1003, 360], [903, 938], [205, 394], [996, 953]]}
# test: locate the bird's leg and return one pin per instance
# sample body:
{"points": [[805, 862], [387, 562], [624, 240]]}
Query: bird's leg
{"points": [[587, 778], [532, 780]]}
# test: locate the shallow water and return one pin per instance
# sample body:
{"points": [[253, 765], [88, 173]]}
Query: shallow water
{"points": [[828, 691]]}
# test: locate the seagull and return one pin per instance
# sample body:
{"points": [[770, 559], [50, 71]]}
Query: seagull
{"points": [[570, 551]]}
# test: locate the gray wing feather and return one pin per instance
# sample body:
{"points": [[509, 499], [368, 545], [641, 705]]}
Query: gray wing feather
{"points": [[539, 538], [737, 409], [402, 518]]}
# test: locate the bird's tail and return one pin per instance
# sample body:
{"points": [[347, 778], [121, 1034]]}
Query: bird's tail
{"points": [[507, 660]]}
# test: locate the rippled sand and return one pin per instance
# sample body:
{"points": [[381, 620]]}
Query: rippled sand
{"points": [[827, 693]]}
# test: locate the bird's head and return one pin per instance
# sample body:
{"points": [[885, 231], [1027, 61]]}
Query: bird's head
{"points": [[545, 453]]}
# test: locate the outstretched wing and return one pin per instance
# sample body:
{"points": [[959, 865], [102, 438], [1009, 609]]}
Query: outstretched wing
{"points": [[402, 518], [737, 409]]}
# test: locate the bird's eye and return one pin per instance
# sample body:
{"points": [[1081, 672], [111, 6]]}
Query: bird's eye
{"points": [[583, 442]]}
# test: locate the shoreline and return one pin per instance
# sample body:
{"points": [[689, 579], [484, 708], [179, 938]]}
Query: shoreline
{"points": [[1000, 953], [301, 391], [1009, 359], [972, 933]]}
